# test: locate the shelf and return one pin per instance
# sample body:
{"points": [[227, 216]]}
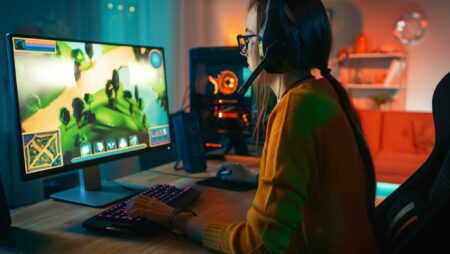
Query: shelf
{"points": [[370, 90], [370, 86], [376, 55]]}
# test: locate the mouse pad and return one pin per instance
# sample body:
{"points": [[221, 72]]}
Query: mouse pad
{"points": [[217, 183]]}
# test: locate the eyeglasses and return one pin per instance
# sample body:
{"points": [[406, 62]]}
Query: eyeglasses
{"points": [[243, 41]]}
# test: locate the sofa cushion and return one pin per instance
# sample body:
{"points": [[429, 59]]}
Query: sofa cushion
{"points": [[396, 167], [371, 125], [407, 132]]}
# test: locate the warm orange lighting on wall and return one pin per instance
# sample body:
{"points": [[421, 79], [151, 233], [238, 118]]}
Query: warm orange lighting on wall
{"points": [[424, 23], [231, 37], [232, 29]]}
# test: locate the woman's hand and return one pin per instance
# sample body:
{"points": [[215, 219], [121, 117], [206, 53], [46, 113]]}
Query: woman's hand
{"points": [[149, 208]]}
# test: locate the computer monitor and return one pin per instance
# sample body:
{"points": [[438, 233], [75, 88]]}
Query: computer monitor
{"points": [[226, 118], [81, 103]]}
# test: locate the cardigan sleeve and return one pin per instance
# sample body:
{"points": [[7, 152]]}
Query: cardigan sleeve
{"points": [[284, 181]]}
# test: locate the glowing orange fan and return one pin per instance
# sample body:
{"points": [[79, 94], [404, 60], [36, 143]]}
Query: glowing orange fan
{"points": [[227, 82]]}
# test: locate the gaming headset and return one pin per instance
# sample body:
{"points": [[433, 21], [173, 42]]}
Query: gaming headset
{"points": [[279, 43]]}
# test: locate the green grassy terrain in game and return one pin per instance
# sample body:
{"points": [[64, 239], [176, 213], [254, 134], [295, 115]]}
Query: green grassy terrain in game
{"points": [[110, 123]]}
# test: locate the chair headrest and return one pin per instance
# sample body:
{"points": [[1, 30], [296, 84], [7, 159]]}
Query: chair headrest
{"points": [[441, 113]]}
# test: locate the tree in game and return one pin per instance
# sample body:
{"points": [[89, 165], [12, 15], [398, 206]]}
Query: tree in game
{"points": [[112, 102], [58, 50], [137, 53], [116, 82], [89, 116], [136, 93], [80, 139], [109, 89], [127, 95], [89, 51], [64, 117], [33, 102], [78, 108], [88, 98], [144, 121], [131, 108], [141, 104], [78, 58]]}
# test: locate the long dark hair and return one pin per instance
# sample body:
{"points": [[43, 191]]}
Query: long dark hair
{"points": [[315, 32]]}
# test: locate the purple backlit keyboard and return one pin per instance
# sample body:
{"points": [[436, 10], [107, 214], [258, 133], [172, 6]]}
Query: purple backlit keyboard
{"points": [[116, 220]]}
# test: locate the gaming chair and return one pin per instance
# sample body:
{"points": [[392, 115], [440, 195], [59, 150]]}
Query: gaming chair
{"points": [[412, 219]]}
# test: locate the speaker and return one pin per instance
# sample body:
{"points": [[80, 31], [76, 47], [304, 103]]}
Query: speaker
{"points": [[5, 218], [189, 141]]}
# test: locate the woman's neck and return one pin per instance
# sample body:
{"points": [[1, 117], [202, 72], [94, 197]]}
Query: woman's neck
{"points": [[286, 81]]}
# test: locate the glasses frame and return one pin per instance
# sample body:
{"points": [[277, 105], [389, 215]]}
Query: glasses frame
{"points": [[246, 38]]}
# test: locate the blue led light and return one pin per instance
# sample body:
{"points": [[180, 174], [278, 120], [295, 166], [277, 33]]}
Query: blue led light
{"points": [[155, 59]]}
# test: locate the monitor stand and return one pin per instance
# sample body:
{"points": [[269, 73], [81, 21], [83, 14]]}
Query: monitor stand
{"points": [[93, 191]]}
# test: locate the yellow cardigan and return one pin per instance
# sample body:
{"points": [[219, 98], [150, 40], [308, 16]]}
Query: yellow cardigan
{"points": [[311, 196]]}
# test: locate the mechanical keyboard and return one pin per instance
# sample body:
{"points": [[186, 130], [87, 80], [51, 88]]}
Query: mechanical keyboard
{"points": [[116, 220]]}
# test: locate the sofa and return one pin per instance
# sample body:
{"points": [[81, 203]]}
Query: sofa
{"points": [[399, 142]]}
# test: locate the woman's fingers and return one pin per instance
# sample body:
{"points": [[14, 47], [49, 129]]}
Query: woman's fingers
{"points": [[137, 212], [139, 200], [143, 198]]}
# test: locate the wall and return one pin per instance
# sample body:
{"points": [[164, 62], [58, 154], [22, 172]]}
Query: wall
{"points": [[429, 60]]}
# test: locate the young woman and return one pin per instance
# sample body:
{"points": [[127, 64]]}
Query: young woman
{"points": [[316, 186]]}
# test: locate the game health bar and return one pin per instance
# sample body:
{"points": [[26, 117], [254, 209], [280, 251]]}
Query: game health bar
{"points": [[35, 45]]}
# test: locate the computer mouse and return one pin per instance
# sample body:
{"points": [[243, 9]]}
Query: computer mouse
{"points": [[236, 172]]}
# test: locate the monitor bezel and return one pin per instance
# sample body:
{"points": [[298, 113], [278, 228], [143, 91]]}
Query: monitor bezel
{"points": [[18, 126]]}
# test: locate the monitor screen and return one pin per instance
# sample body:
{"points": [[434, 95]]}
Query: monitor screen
{"points": [[80, 102]]}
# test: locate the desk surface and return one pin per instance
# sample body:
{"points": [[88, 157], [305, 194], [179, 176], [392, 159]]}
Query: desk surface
{"points": [[55, 227]]}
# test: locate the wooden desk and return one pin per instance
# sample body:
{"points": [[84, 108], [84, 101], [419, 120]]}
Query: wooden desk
{"points": [[55, 227]]}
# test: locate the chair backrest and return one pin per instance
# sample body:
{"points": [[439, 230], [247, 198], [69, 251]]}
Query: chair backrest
{"points": [[407, 210]]}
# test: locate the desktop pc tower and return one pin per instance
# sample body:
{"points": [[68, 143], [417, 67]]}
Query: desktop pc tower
{"points": [[226, 119]]}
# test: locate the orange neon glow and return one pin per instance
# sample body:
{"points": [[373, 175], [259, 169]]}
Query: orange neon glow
{"points": [[213, 145], [214, 83], [228, 115], [424, 23], [245, 118]]}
